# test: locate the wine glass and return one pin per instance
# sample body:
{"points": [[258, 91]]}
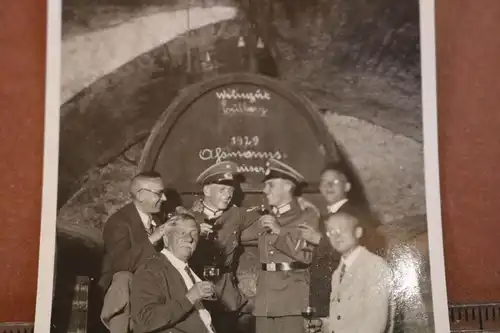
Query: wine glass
{"points": [[212, 274], [308, 313]]}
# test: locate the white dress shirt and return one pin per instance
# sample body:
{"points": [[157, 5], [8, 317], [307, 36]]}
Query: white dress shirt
{"points": [[146, 219], [336, 206], [351, 257], [181, 266]]}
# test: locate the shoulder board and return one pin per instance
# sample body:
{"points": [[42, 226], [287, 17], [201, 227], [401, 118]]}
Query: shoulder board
{"points": [[251, 209]]}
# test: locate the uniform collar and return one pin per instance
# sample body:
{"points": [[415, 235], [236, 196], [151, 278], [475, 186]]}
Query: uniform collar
{"points": [[280, 210], [336, 206], [211, 213]]}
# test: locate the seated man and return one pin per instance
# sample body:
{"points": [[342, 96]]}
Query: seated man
{"points": [[360, 300], [166, 295]]}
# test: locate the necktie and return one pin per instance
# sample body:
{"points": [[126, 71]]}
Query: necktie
{"points": [[341, 276], [191, 276], [151, 228], [198, 306], [342, 272]]}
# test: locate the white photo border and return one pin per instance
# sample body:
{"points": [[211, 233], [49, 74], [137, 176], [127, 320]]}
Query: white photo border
{"points": [[46, 263]]}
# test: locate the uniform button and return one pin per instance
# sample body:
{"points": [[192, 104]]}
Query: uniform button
{"points": [[271, 252], [234, 232], [338, 317]]}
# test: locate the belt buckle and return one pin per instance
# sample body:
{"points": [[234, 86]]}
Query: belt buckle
{"points": [[271, 266]]}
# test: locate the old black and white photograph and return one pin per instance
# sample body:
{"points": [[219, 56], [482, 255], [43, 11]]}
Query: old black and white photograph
{"points": [[241, 166]]}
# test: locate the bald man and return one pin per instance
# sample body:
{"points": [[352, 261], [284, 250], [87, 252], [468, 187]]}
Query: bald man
{"points": [[131, 236], [360, 299]]}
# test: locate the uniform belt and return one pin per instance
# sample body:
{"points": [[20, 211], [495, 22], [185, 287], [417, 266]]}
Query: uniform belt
{"points": [[283, 266]]}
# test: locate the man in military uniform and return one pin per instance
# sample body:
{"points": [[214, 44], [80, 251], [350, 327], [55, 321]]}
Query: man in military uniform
{"points": [[283, 282], [221, 225]]}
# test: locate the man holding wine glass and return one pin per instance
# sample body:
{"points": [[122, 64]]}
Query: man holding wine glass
{"points": [[225, 229], [221, 224], [166, 295], [283, 281]]}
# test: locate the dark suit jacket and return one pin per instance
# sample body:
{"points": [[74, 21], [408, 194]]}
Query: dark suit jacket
{"points": [[159, 302], [126, 244]]}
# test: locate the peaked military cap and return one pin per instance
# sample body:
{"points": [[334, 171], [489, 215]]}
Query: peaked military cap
{"points": [[219, 173], [279, 169]]}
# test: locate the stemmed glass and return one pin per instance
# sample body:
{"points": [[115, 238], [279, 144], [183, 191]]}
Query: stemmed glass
{"points": [[308, 313], [212, 274], [264, 210]]}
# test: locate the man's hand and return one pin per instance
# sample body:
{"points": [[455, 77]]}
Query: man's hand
{"points": [[200, 290], [269, 222], [309, 233], [157, 235], [314, 326], [304, 204], [205, 229]]}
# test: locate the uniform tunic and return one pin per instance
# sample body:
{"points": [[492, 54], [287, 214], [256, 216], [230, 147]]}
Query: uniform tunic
{"points": [[282, 295], [224, 251]]}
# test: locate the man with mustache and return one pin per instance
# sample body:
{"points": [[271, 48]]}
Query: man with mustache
{"points": [[166, 295], [283, 281], [130, 237]]}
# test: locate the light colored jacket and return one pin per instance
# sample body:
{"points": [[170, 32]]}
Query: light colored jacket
{"points": [[362, 303]]}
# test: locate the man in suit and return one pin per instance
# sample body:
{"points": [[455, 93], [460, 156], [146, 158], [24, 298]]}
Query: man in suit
{"points": [[166, 295], [130, 237], [360, 299], [335, 187], [283, 281]]}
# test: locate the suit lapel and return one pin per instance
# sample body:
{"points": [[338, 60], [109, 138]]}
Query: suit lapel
{"points": [[352, 273], [179, 286], [173, 273], [135, 220]]}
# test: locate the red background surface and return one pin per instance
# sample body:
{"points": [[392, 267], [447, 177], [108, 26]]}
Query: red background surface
{"points": [[468, 63]]}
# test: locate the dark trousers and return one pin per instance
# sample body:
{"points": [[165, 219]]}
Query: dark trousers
{"points": [[288, 324]]}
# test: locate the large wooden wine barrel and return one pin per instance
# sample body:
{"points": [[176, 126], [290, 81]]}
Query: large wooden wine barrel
{"points": [[246, 118]]}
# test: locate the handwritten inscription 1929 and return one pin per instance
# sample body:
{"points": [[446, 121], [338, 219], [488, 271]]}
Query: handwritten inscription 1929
{"points": [[241, 149], [233, 102]]}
